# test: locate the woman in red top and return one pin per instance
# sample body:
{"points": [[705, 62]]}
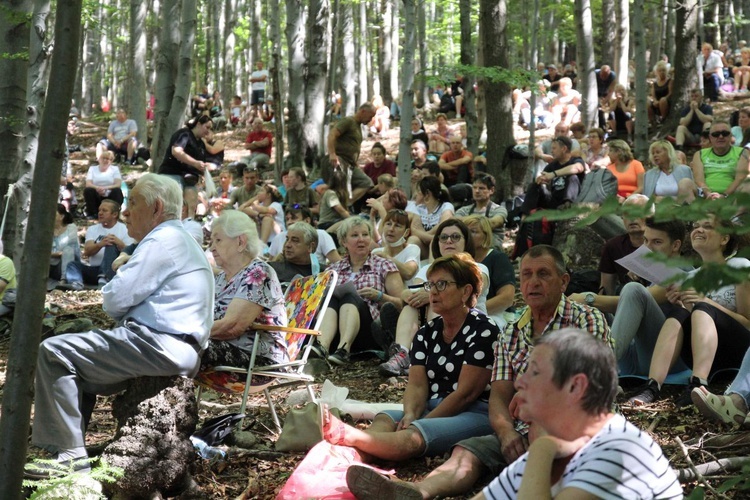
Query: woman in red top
{"points": [[629, 171], [380, 164]]}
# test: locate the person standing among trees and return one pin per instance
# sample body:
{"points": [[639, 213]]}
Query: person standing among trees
{"points": [[344, 142], [258, 79]]}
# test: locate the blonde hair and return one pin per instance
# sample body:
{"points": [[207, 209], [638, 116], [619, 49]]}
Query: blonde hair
{"points": [[484, 225]]}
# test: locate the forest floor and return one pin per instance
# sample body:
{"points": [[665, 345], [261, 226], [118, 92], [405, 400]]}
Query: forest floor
{"points": [[261, 472]]}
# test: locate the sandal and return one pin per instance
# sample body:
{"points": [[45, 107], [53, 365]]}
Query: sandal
{"points": [[715, 407], [332, 429]]}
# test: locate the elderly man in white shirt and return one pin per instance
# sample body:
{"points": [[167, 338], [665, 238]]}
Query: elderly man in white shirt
{"points": [[163, 300]]}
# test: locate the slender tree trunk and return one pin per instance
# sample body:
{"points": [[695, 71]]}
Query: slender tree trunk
{"points": [[686, 27], [669, 39], [395, 49], [295, 39], [362, 39], [27, 326], [275, 72], [641, 85], [384, 43], [623, 41], [315, 88], [467, 59], [586, 66], [15, 44], [732, 26], [349, 78], [493, 15], [229, 79], [137, 87], [166, 73], [333, 76], [424, 63], [713, 33], [184, 69], [746, 13], [407, 82], [532, 65], [609, 32], [256, 32], [217, 45], [551, 47]]}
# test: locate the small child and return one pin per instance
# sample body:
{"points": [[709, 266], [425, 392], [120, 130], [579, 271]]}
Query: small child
{"points": [[236, 110]]}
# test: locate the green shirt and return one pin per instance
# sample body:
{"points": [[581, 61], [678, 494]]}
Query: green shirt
{"points": [[240, 195], [7, 274], [349, 140], [718, 170]]}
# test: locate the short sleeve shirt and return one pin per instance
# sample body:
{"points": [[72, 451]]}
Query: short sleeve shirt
{"points": [[451, 176], [349, 141], [614, 249], [620, 461], [106, 178], [7, 274], [256, 283], [373, 274], [240, 195], [696, 125], [432, 219], [473, 345], [493, 210], [328, 214], [193, 146], [500, 270], [259, 136], [305, 197], [120, 130]]}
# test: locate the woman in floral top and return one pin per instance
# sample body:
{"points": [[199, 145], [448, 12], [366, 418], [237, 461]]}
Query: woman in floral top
{"points": [[247, 292]]}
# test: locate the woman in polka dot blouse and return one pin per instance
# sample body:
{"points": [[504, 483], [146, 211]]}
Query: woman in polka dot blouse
{"points": [[451, 363]]}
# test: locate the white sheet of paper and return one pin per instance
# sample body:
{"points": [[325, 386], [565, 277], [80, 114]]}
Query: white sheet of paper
{"points": [[650, 270]]}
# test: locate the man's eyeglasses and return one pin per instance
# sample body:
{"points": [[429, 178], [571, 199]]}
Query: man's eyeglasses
{"points": [[437, 285], [721, 133], [454, 237]]}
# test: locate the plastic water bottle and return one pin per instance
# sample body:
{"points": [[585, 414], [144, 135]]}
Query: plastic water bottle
{"points": [[208, 452]]}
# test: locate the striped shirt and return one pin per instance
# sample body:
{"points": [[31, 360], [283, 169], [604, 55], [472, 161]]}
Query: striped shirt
{"points": [[512, 353], [620, 461]]}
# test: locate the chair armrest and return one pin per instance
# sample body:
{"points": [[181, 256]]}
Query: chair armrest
{"points": [[287, 329]]}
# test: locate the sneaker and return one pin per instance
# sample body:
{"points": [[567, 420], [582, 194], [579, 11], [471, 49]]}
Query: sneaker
{"points": [[366, 483], [340, 357], [76, 285], [647, 394], [318, 351], [102, 281], [685, 399], [397, 365]]}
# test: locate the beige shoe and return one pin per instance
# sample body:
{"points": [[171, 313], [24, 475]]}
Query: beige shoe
{"points": [[367, 484], [719, 408]]}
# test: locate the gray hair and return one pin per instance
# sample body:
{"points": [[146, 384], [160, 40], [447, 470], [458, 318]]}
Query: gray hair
{"points": [[574, 352], [160, 187], [309, 233], [350, 223], [547, 250], [234, 224]]}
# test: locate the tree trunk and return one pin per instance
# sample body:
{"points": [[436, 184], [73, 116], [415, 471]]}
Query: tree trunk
{"points": [[395, 48], [295, 39], [407, 104], [166, 73], [384, 42], [348, 76], [746, 13], [686, 25], [362, 40], [26, 331], [609, 32], [14, 65], [137, 87], [641, 85], [36, 85], [315, 87], [274, 73], [256, 32], [586, 66], [713, 33], [623, 41], [229, 80], [669, 39], [552, 45], [467, 59], [424, 63], [493, 17], [732, 26], [184, 69]]}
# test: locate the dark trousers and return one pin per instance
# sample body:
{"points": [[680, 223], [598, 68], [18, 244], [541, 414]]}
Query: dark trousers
{"points": [[94, 199]]}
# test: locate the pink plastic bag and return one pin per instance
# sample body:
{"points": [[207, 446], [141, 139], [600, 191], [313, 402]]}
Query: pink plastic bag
{"points": [[322, 473]]}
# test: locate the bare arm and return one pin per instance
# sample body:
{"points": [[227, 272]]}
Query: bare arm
{"points": [[238, 318], [741, 172], [512, 444]]}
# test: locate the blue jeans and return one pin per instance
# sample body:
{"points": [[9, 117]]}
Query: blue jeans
{"points": [[441, 434], [741, 383], [78, 272]]}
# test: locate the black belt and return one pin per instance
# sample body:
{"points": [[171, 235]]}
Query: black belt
{"points": [[188, 339]]}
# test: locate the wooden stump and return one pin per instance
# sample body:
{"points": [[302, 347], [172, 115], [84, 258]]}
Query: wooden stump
{"points": [[155, 418], [581, 246]]}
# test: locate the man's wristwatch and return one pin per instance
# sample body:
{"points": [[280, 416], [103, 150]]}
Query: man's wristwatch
{"points": [[590, 298]]}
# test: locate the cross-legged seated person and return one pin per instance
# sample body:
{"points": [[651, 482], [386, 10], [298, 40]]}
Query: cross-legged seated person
{"points": [[451, 360], [104, 242], [247, 292], [121, 137], [162, 301]]}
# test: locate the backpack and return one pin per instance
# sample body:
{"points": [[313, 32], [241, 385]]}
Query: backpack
{"points": [[539, 232], [598, 185]]}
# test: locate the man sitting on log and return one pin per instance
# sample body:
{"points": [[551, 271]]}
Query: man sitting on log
{"points": [[163, 301]]}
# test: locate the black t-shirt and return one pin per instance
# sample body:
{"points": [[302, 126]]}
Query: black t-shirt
{"points": [[501, 271], [559, 186], [443, 362], [602, 85], [286, 271], [193, 146]]}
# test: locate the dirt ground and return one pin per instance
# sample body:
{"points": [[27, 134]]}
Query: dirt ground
{"points": [[261, 472]]}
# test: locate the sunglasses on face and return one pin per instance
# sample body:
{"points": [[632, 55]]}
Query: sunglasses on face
{"points": [[721, 133]]}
